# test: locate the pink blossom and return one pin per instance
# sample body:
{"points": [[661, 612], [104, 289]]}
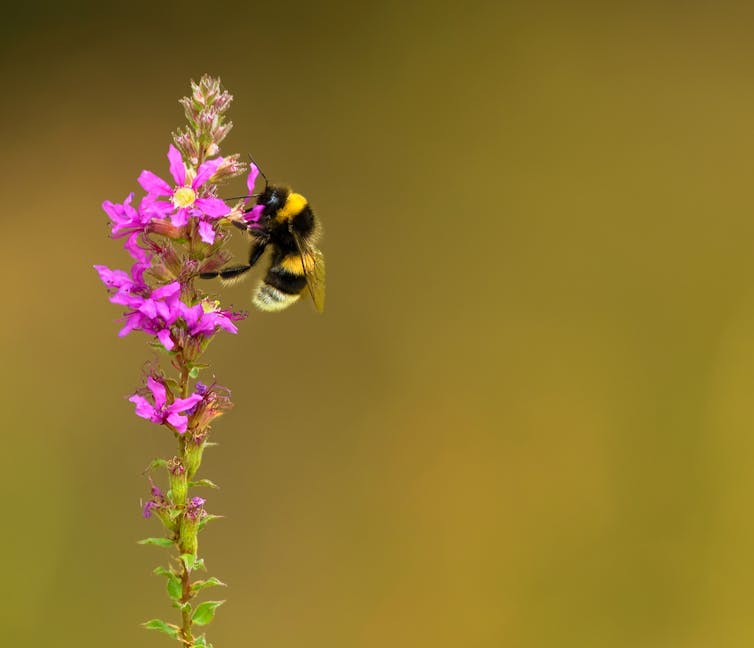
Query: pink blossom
{"points": [[127, 287], [206, 318], [127, 219], [161, 413], [153, 314], [195, 508], [184, 202]]}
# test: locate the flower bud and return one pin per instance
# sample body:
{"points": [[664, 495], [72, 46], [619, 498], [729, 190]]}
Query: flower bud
{"points": [[193, 455], [190, 525], [166, 228], [178, 481]]}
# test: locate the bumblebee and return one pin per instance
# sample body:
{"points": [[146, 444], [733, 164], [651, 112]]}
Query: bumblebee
{"points": [[287, 226]]}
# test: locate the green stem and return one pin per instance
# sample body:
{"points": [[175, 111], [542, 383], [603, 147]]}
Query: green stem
{"points": [[186, 635], [186, 596]]}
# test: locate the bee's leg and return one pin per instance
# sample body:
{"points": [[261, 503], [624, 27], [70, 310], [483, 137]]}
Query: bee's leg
{"points": [[226, 273], [256, 251], [234, 272]]}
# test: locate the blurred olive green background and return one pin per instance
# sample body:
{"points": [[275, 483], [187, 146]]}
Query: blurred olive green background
{"points": [[525, 419]]}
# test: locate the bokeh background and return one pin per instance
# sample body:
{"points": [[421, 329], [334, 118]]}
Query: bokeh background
{"points": [[525, 419]]}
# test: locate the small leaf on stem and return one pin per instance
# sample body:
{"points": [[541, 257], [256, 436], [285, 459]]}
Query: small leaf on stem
{"points": [[205, 612], [159, 542], [162, 626], [175, 587], [210, 582], [204, 482], [208, 518]]}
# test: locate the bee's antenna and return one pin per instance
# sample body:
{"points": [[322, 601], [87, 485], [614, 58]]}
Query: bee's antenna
{"points": [[256, 195], [266, 181]]}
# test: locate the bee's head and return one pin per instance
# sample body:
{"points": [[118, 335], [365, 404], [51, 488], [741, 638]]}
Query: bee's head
{"points": [[273, 198]]}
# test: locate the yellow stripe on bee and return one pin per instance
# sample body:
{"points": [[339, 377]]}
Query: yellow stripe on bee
{"points": [[294, 205], [292, 263]]}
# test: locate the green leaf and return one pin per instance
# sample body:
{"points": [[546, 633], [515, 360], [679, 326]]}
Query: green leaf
{"points": [[194, 371], [210, 582], [190, 560], [159, 542], [157, 624], [158, 463], [208, 518], [205, 612], [183, 607], [162, 571], [158, 347], [201, 642], [204, 482], [175, 587]]}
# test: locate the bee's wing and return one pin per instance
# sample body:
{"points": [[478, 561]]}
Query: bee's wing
{"points": [[313, 265]]}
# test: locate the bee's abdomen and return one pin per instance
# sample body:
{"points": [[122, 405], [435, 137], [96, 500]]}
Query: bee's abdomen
{"points": [[279, 289]]}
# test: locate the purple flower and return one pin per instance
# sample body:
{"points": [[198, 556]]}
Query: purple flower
{"points": [[158, 501], [160, 412], [206, 318], [184, 202], [215, 401], [154, 314], [194, 509], [127, 219], [127, 286]]}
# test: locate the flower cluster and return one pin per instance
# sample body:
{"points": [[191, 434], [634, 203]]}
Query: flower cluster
{"points": [[176, 231]]}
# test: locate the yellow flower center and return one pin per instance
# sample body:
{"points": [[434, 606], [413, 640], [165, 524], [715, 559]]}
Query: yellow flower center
{"points": [[184, 197], [210, 306]]}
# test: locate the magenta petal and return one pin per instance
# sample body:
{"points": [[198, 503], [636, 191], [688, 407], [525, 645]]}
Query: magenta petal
{"points": [[180, 423], [137, 252], [143, 407], [150, 208], [183, 404], [148, 308], [163, 310], [212, 207], [180, 218], [251, 179], [164, 337], [177, 168], [206, 232], [125, 298], [137, 272], [192, 315], [205, 172], [254, 214], [225, 323], [112, 278], [116, 212], [166, 291], [133, 321], [154, 184], [158, 391]]}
